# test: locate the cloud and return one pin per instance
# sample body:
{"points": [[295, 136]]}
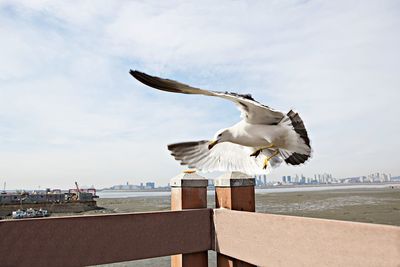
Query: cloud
{"points": [[69, 109]]}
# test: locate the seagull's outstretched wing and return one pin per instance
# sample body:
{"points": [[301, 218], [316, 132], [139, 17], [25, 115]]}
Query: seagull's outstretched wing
{"points": [[252, 111], [223, 157]]}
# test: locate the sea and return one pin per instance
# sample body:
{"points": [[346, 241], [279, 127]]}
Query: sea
{"points": [[126, 194]]}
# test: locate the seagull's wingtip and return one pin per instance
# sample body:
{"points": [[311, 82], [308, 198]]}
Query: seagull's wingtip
{"points": [[137, 74]]}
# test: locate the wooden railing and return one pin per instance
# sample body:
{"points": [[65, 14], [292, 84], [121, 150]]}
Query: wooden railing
{"points": [[98, 239], [241, 238]]}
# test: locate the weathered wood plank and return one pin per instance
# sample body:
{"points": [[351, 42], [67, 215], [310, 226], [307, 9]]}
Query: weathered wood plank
{"points": [[89, 240]]}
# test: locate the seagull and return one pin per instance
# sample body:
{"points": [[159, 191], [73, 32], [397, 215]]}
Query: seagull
{"points": [[262, 140]]}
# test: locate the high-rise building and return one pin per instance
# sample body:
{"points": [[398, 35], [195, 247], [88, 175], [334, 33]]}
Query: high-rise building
{"points": [[150, 185]]}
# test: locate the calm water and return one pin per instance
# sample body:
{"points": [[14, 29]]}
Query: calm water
{"points": [[119, 194]]}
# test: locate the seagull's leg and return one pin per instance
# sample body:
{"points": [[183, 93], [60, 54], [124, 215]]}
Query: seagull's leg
{"points": [[267, 159], [255, 153], [258, 151]]}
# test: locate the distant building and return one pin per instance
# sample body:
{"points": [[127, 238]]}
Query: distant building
{"points": [[260, 180], [126, 186], [150, 185]]}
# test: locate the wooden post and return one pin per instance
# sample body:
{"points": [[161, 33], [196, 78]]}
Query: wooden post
{"points": [[234, 191], [189, 191]]}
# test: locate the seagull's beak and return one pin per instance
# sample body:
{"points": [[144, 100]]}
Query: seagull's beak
{"points": [[212, 143]]}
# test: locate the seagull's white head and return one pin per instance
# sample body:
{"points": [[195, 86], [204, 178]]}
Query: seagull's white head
{"points": [[222, 135]]}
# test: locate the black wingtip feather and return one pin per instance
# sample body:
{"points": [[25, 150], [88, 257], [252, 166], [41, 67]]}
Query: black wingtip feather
{"points": [[184, 145], [157, 82], [135, 73], [245, 96], [297, 159]]}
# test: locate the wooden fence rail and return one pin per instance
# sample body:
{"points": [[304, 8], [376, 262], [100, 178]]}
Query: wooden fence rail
{"points": [[99, 239]]}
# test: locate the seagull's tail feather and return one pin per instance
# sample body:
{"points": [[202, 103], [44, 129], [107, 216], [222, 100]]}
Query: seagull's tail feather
{"points": [[294, 158], [298, 126]]}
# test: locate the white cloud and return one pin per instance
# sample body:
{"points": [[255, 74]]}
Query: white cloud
{"points": [[68, 107]]}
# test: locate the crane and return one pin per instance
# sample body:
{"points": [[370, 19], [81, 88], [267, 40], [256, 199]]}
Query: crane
{"points": [[77, 187], [77, 191]]}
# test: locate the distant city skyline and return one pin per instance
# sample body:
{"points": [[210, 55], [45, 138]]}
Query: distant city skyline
{"points": [[70, 111], [324, 178], [260, 179]]}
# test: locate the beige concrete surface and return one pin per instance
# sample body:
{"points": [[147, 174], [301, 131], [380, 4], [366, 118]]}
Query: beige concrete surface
{"points": [[277, 240]]}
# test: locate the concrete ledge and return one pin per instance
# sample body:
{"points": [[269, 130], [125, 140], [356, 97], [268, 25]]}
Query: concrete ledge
{"points": [[277, 240], [234, 179]]}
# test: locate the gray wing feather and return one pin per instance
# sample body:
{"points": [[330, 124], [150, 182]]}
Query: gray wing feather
{"points": [[252, 111]]}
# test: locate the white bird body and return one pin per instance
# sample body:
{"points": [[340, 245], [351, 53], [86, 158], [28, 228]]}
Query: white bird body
{"points": [[261, 140], [261, 135], [253, 135]]}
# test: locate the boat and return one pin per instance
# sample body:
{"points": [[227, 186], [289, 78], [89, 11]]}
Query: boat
{"points": [[29, 213]]}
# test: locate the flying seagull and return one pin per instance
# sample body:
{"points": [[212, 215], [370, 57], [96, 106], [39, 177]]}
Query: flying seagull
{"points": [[260, 141]]}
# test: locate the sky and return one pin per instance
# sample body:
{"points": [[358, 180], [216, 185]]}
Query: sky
{"points": [[70, 111]]}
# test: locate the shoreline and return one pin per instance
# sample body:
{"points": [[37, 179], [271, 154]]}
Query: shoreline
{"points": [[394, 183], [259, 190], [374, 204], [371, 205]]}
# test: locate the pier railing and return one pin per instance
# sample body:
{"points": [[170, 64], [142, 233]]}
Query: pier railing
{"points": [[240, 236]]}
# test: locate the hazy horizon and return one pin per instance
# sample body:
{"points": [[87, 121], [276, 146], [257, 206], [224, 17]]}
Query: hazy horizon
{"points": [[70, 111]]}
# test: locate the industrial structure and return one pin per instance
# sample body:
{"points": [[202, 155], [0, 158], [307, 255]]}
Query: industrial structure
{"points": [[75, 200]]}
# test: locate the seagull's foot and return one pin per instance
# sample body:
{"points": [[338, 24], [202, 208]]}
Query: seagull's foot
{"points": [[266, 161], [258, 151], [188, 171]]}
